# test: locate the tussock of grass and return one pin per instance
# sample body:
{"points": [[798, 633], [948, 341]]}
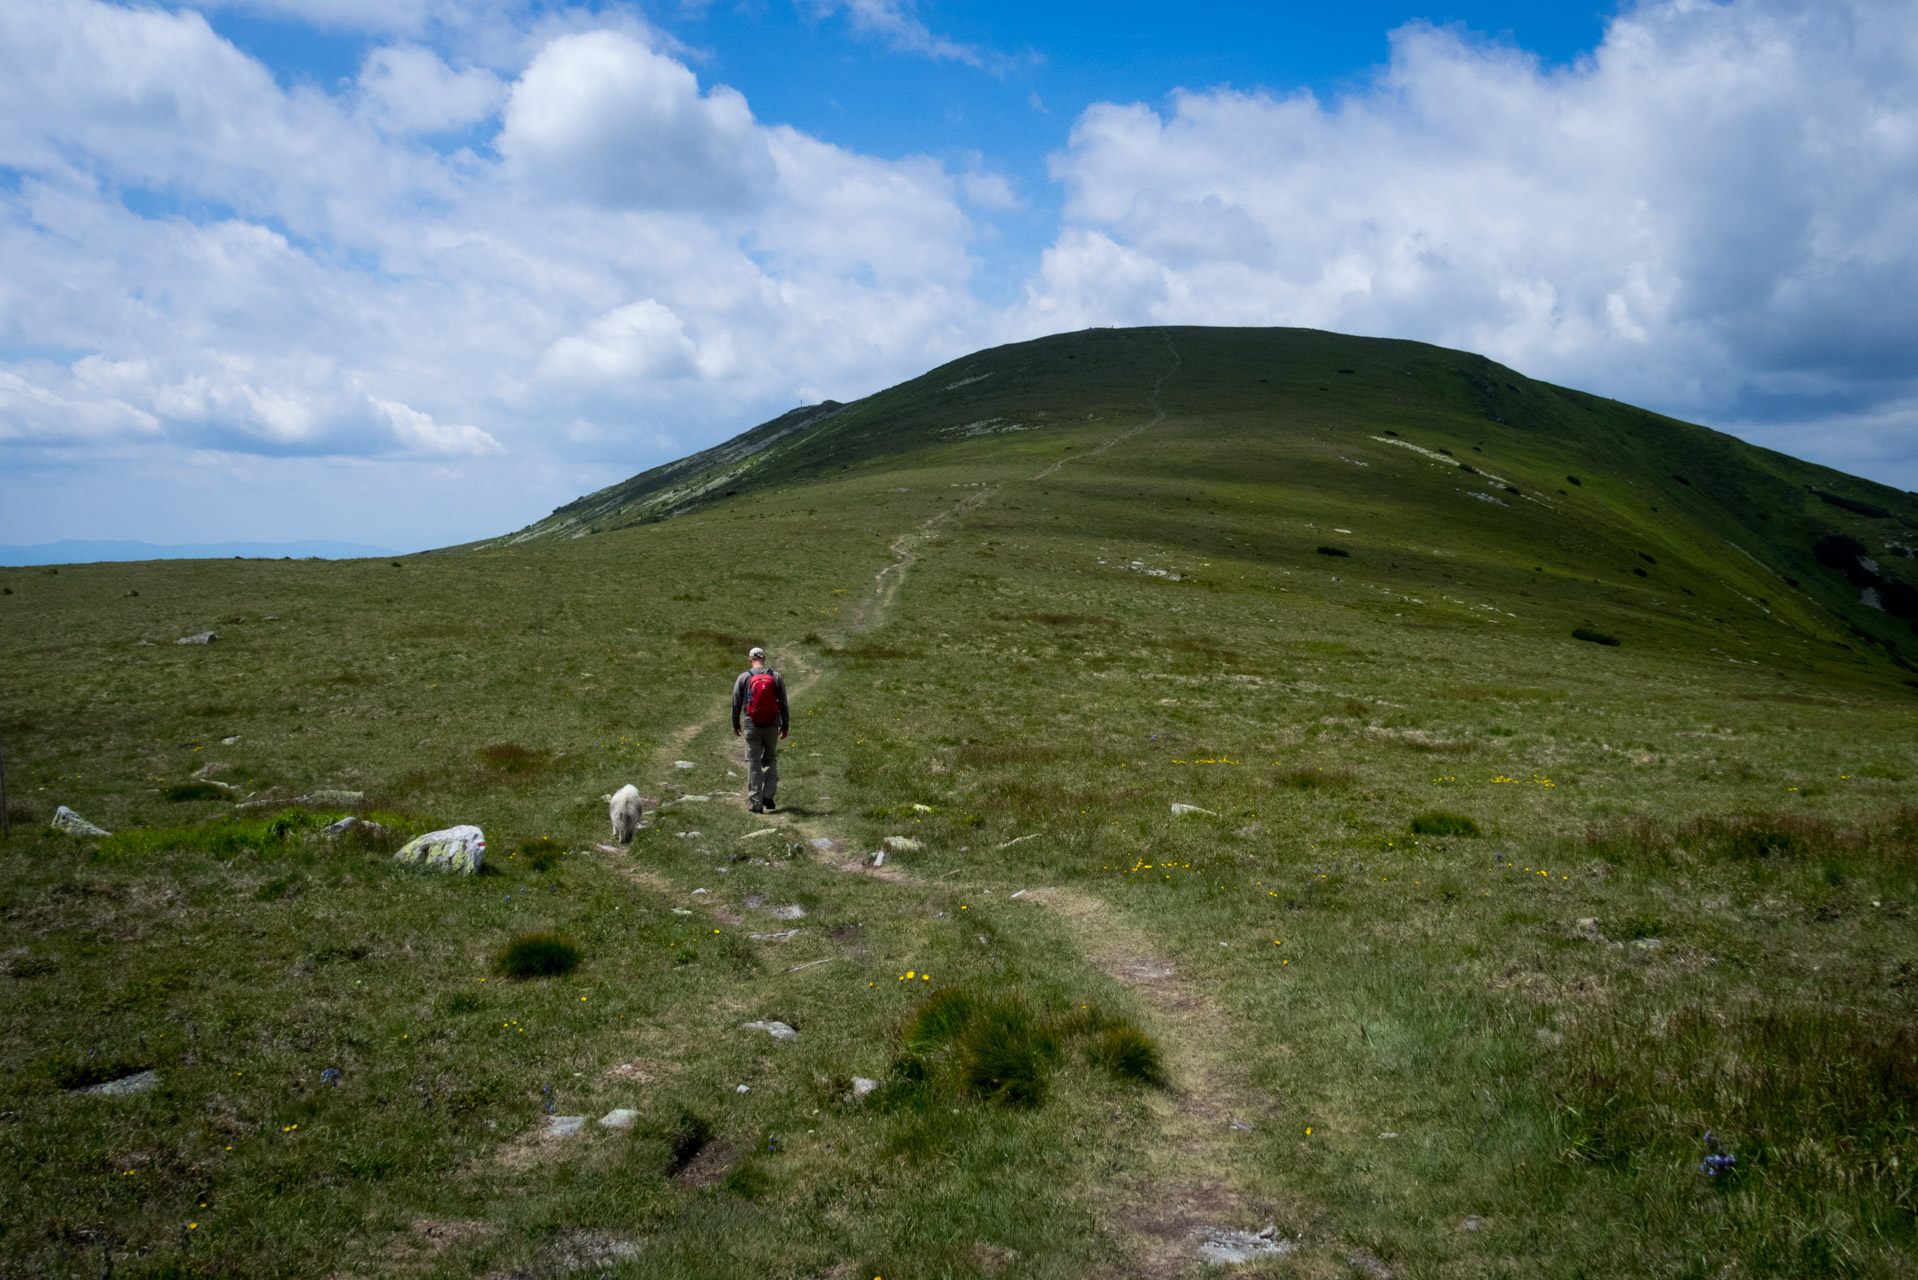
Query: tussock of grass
{"points": [[538, 955], [1440, 823], [1594, 637], [542, 854], [1334, 551]]}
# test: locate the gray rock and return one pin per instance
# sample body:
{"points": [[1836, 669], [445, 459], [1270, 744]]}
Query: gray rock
{"points": [[562, 1126], [205, 637], [793, 912], [65, 819], [359, 826], [461, 849], [862, 1086], [229, 741], [776, 937], [1180, 810], [619, 1118], [1224, 1245], [1649, 944], [777, 1030], [332, 799], [125, 1086], [684, 764]]}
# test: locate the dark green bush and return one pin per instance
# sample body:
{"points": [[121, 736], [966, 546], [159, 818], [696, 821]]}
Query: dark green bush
{"points": [[538, 955], [1594, 637], [1333, 551], [1443, 824]]}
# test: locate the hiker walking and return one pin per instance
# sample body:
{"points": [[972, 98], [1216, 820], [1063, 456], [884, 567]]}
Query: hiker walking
{"points": [[760, 692]]}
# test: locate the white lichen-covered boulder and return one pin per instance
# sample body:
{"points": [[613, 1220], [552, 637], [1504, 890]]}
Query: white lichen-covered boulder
{"points": [[65, 819], [461, 849]]}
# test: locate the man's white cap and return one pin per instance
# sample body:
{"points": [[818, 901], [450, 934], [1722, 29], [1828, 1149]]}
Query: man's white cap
{"points": [[755, 652]]}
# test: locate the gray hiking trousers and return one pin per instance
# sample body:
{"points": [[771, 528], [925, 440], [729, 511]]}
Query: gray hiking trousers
{"points": [[762, 762]]}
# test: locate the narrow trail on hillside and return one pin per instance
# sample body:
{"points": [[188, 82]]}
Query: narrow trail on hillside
{"points": [[886, 583], [871, 613]]}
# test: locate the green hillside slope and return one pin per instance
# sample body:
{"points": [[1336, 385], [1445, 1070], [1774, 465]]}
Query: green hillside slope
{"points": [[1632, 519], [1212, 824]]}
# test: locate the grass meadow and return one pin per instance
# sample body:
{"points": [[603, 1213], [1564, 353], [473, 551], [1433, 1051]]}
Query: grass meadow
{"points": [[1474, 950]]}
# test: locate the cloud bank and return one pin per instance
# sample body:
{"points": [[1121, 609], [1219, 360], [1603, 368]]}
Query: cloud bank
{"points": [[517, 257]]}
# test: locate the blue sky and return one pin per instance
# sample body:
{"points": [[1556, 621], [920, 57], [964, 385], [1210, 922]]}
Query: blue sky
{"points": [[412, 272]]}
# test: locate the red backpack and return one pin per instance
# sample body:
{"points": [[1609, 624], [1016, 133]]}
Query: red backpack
{"points": [[762, 698]]}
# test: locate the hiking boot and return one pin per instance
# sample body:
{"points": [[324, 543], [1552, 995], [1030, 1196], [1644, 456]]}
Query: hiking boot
{"points": [[770, 806], [757, 807]]}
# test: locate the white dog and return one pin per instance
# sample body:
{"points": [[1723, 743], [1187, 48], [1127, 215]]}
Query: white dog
{"points": [[625, 811]]}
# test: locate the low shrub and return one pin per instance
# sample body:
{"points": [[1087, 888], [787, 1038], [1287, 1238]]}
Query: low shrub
{"points": [[1443, 824], [1333, 551], [1594, 637], [538, 955]]}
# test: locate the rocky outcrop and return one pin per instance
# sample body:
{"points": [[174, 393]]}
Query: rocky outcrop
{"points": [[461, 849]]}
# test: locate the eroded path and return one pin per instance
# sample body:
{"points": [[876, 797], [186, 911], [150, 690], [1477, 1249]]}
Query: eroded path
{"points": [[1183, 1191]]}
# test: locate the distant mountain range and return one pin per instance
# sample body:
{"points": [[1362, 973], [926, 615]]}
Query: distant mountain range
{"points": [[81, 551]]}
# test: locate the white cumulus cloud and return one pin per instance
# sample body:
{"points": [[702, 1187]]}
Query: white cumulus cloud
{"points": [[1711, 213]]}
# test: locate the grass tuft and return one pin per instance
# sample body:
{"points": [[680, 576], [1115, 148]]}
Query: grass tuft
{"points": [[538, 955], [541, 855], [1440, 823], [1594, 637], [1129, 1054]]}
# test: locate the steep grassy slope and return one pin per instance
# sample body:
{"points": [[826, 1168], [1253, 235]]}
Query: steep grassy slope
{"points": [[1470, 949], [1672, 523]]}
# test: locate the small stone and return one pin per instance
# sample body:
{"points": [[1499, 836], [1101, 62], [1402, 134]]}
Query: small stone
{"points": [[619, 1118], [684, 764], [359, 826], [227, 742], [562, 1126], [204, 637], [461, 849], [1179, 810], [763, 831], [777, 1030], [822, 844], [922, 808], [862, 1086], [1472, 1223], [332, 799], [793, 912], [1224, 1245], [65, 819], [904, 844], [744, 1088], [125, 1086], [1649, 944], [776, 937]]}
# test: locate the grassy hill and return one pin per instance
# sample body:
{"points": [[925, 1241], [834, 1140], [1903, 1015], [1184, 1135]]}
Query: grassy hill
{"points": [[1265, 850]]}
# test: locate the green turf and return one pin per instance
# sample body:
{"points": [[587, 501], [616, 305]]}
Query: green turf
{"points": [[1681, 929]]}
